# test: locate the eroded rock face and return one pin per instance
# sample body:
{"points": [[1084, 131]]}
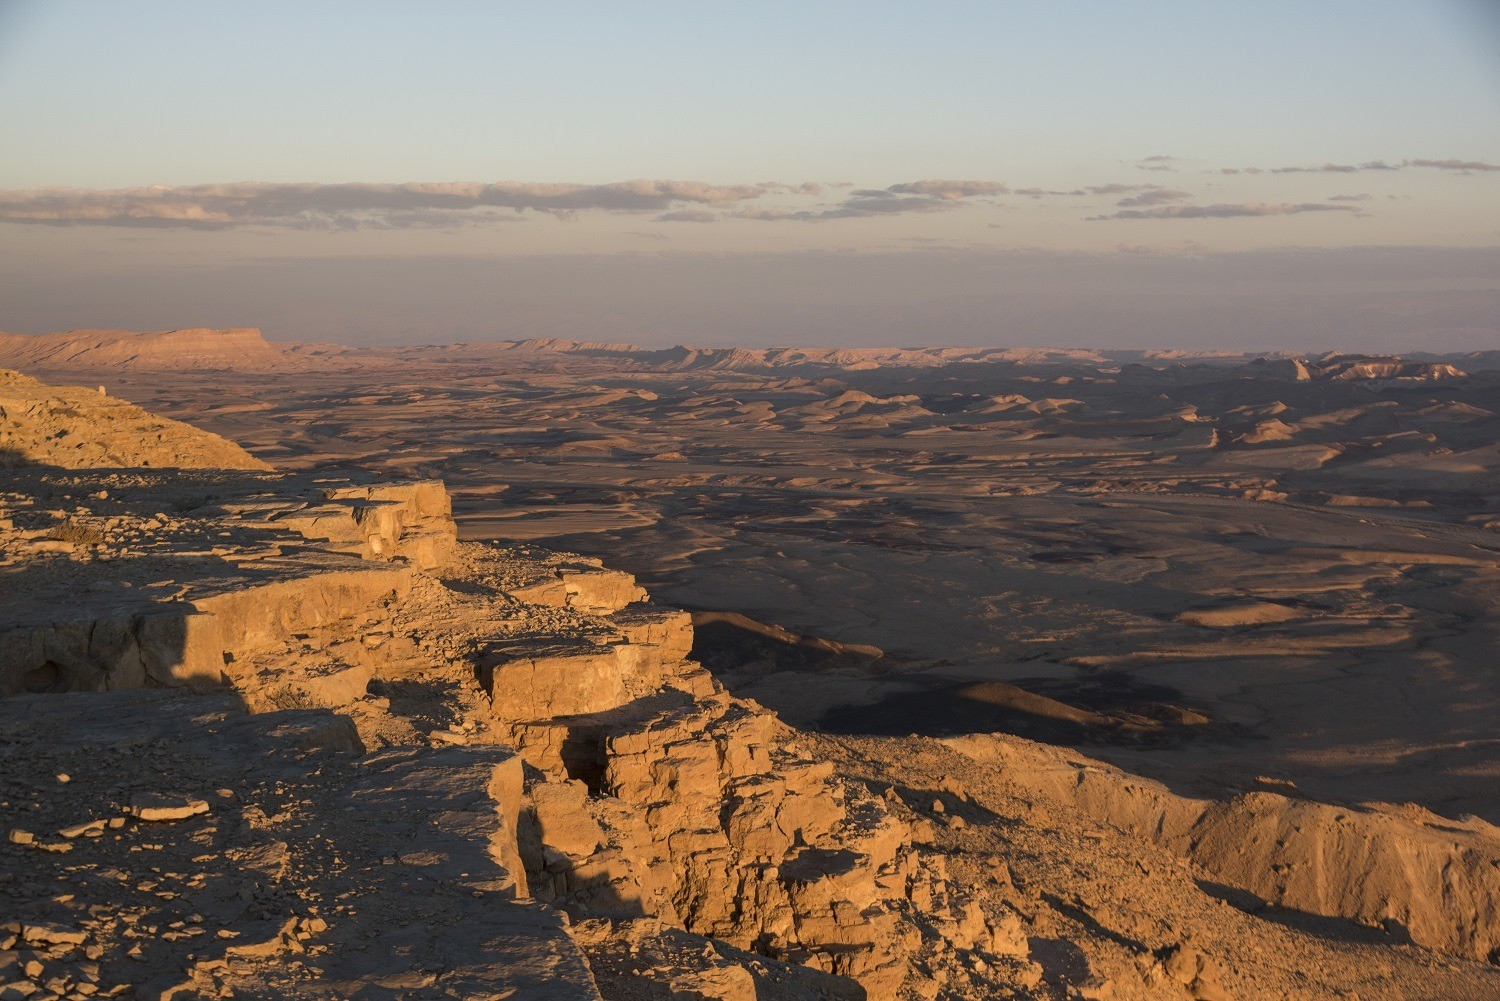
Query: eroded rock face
{"points": [[663, 797], [284, 587], [529, 724], [1397, 868]]}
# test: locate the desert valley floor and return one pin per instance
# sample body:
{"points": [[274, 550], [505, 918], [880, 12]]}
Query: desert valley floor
{"points": [[1182, 668]]}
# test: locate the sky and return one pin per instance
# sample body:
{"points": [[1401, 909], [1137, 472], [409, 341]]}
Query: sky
{"points": [[1156, 174]]}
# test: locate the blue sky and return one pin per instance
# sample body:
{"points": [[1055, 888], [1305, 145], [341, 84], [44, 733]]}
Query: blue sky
{"points": [[119, 94], [1092, 128]]}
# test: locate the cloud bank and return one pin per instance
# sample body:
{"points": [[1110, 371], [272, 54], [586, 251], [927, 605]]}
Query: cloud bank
{"points": [[355, 206], [352, 206], [1460, 166], [1224, 211]]}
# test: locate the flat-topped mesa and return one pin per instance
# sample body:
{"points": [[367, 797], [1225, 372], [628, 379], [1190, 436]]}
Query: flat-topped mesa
{"points": [[191, 349]]}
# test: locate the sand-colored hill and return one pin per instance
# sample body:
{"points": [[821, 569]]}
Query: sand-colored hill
{"points": [[78, 428]]}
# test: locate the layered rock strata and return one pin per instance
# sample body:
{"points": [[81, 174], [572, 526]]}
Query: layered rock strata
{"points": [[513, 732]]}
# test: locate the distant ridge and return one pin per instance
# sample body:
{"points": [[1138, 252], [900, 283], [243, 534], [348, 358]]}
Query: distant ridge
{"points": [[244, 349], [197, 348]]}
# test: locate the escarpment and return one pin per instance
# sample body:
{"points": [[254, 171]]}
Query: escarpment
{"points": [[501, 724]]}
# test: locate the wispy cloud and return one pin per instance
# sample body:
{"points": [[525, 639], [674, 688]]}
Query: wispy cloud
{"points": [[1224, 211], [1477, 166], [687, 215], [1337, 168], [859, 205], [1155, 196], [1462, 166], [439, 205], [950, 190], [1159, 162], [353, 206], [908, 197], [1097, 189]]}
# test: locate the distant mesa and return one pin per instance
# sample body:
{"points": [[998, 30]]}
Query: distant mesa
{"points": [[237, 348]]}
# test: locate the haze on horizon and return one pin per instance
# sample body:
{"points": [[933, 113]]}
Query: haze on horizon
{"points": [[1166, 175]]}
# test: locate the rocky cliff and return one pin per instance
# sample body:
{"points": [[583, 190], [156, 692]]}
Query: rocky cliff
{"points": [[360, 751]]}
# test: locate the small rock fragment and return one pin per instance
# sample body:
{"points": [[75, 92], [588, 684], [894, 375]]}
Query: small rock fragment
{"points": [[165, 806]]}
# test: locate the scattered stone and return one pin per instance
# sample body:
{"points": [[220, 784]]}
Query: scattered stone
{"points": [[166, 806]]}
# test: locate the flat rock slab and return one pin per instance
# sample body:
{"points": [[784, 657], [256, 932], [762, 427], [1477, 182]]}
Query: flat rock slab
{"points": [[239, 855]]}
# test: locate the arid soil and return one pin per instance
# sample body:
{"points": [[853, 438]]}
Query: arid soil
{"points": [[1116, 677]]}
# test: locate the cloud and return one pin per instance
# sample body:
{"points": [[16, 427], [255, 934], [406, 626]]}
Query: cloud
{"points": [[687, 215], [949, 190], [449, 205], [859, 205], [1097, 189], [881, 203], [1159, 162], [1350, 198], [777, 215], [352, 206], [1156, 196], [1221, 211], [805, 188], [1464, 165], [908, 197], [1337, 168]]}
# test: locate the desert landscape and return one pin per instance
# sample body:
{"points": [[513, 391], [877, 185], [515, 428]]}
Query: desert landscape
{"points": [[554, 669], [711, 502]]}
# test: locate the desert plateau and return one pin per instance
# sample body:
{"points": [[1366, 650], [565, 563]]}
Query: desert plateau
{"points": [[883, 674]]}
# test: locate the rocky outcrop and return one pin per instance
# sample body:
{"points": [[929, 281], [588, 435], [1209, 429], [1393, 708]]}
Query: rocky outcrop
{"points": [[287, 595], [78, 428], [1353, 368], [1420, 877], [529, 728], [661, 796]]}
